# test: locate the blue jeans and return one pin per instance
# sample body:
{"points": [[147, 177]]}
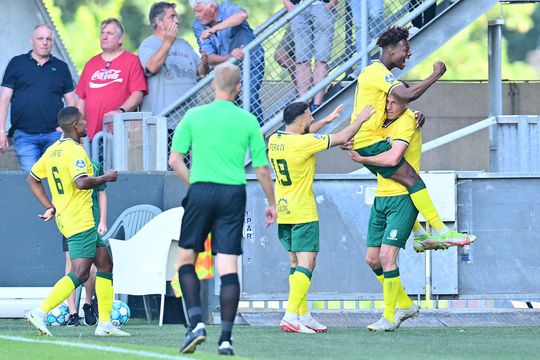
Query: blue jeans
{"points": [[375, 13], [256, 78], [30, 147]]}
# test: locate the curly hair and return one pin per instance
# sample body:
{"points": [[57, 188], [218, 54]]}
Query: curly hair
{"points": [[392, 36]]}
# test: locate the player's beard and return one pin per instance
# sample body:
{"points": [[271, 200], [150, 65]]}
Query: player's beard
{"points": [[306, 129]]}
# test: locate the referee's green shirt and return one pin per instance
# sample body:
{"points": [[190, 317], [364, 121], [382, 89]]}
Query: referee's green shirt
{"points": [[219, 135]]}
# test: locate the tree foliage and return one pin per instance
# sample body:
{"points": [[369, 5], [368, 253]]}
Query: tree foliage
{"points": [[77, 21]]}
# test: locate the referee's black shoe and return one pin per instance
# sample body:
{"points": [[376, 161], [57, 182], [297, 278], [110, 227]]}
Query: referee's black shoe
{"points": [[225, 348], [193, 338]]}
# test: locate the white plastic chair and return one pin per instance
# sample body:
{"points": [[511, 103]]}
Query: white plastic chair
{"points": [[141, 263]]}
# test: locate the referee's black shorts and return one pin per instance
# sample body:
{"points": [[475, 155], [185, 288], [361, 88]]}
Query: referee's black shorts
{"points": [[216, 208]]}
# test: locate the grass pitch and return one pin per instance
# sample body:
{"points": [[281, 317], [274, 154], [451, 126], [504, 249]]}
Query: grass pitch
{"points": [[152, 341]]}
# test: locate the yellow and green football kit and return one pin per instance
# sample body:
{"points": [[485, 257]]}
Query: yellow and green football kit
{"points": [[62, 164], [293, 159], [393, 213]]}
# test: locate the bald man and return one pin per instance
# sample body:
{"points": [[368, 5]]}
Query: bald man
{"points": [[219, 135], [35, 83]]}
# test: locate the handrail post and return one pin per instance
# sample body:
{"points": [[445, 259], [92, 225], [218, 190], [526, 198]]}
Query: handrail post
{"points": [[364, 31], [495, 85], [246, 80]]}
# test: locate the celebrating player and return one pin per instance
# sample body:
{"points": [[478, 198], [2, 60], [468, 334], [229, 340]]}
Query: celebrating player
{"points": [[374, 83], [292, 154], [70, 176], [393, 213]]}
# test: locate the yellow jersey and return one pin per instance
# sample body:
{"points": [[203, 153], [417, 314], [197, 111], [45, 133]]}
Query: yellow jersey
{"points": [[61, 164], [402, 130], [293, 159], [374, 84]]}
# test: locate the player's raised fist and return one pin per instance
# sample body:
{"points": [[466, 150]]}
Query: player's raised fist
{"points": [[439, 68], [111, 175]]}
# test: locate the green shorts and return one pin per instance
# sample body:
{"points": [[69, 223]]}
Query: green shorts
{"points": [[84, 244], [299, 237], [391, 221], [376, 149]]}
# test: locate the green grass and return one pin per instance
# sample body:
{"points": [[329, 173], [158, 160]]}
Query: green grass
{"points": [[271, 343]]}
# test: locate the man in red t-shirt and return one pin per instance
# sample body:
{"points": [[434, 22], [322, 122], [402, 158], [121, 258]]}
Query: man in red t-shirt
{"points": [[112, 81]]}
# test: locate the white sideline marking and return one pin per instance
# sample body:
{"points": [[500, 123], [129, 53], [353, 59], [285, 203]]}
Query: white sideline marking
{"points": [[112, 349]]}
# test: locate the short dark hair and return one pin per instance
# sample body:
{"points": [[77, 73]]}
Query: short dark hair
{"points": [[392, 36], [294, 110], [157, 11], [67, 116]]}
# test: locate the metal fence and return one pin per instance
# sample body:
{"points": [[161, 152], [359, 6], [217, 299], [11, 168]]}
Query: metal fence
{"points": [[276, 74]]}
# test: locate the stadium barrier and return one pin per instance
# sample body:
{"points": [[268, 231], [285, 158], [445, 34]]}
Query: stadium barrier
{"points": [[502, 210]]}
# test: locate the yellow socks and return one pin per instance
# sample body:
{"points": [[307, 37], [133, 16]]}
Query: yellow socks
{"points": [[403, 300], [300, 282], [391, 290], [422, 201], [105, 295], [61, 290], [417, 227]]}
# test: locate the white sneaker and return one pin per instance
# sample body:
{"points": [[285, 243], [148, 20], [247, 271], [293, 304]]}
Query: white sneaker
{"points": [[109, 330], [36, 318], [314, 325], [404, 314], [295, 326], [382, 325]]}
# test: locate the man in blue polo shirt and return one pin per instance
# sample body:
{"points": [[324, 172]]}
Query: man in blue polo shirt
{"points": [[222, 31], [35, 84]]}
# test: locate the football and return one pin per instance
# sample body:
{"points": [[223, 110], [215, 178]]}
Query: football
{"points": [[120, 313], [58, 316]]}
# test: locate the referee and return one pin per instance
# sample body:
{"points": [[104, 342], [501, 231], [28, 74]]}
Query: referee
{"points": [[218, 135]]}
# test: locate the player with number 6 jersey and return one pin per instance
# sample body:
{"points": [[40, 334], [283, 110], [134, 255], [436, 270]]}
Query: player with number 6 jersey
{"points": [[70, 176], [292, 154]]}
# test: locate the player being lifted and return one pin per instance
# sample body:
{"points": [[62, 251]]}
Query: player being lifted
{"points": [[292, 154], [374, 84], [70, 176]]}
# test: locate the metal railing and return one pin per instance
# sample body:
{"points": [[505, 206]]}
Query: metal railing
{"points": [[278, 73]]}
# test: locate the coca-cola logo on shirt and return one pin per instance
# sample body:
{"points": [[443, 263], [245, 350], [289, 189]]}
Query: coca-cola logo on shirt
{"points": [[110, 74]]}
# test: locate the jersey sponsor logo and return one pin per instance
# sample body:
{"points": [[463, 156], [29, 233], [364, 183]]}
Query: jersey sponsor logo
{"points": [[283, 207], [390, 78], [318, 136], [80, 164], [392, 235]]}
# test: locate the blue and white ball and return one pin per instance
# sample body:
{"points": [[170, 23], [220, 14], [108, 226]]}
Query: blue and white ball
{"points": [[58, 316], [120, 313]]}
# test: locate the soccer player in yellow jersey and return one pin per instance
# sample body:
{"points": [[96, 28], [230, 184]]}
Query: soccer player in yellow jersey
{"points": [[70, 176], [292, 154], [374, 84]]}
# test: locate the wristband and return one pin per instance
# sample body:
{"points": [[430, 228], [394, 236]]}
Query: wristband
{"points": [[122, 110]]}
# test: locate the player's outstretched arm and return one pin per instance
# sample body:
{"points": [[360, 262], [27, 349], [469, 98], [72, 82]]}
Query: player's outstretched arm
{"points": [[386, 159], [413, 92], [176, 162], [263, 175], [37, 189], [90, 182], [327, 120], [348, 132]]}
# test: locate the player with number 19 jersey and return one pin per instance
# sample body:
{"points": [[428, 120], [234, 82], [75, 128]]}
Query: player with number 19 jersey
{"points": [[293, 159], [62, 163]]}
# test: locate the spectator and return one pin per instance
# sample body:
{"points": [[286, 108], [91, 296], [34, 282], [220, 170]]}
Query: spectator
{"points": [[170, 64], [375, 24], [424, 17], [221, 32], [112, 81], [284, 54], [34, 83], [313, 31]]}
